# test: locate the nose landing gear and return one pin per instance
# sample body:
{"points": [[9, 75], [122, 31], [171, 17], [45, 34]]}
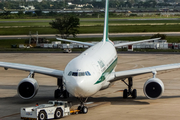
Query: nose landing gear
{"points": [[83, 109]]}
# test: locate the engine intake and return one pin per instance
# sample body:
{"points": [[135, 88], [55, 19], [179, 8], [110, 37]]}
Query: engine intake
{"points": [[153, 88], [27, 88]]}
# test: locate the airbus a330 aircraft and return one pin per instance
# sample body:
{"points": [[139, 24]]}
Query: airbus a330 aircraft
{"points": [[91, 71]]}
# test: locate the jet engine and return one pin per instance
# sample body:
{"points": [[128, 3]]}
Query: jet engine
{"points": [[153, 88], [27, 88]]}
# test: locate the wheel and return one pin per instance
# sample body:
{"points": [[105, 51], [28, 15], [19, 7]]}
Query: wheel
{"points": [[57, 93], [84, 109], [65, 94], [134, 94], [80, 109], [125, 93], [42, 115], [58, 113]]}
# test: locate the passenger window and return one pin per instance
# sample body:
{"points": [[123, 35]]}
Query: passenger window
{"points": [[74, 74], [81, 73]]}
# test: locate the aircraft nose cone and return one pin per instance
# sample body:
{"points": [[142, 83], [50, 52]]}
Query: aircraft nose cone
{"points": [[77, 87]]}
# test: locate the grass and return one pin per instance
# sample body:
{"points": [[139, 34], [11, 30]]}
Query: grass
{"points": [[25, 24], [24, 19], [130, 17], [92, 23], [132, 28], [93, 29], [25, 30], [87, 19], [121, 22]]}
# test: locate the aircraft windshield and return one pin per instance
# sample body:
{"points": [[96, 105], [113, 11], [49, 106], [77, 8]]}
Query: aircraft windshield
{"points": [[87, 73]]}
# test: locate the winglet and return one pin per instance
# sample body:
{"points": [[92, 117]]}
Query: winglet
{"points": [[105, 34]]}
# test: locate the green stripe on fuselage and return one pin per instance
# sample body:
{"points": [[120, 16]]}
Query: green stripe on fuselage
{"points": [[107, 71]]}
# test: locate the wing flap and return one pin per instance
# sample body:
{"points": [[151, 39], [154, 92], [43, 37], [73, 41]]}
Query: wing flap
{"points": [[32, 68], [129, 73]]}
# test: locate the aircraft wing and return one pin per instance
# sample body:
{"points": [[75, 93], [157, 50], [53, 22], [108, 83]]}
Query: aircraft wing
{"points": [[135, 42], [31, 68], [73, 41], [134, 72]]}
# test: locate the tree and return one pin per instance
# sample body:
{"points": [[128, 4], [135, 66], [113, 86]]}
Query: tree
{"points": [[38, 12], [20, 13], [162, 36], [66, 25]]}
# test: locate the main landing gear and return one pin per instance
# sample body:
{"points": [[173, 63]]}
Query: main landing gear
{"points": [[82, 109], [60, 91], [130, 91]]}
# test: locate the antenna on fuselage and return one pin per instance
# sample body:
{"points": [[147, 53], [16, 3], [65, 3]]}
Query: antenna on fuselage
{"points": [[105, 34]]}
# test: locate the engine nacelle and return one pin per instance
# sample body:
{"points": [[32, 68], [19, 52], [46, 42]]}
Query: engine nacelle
{"points": [[27, 88], [153, 88]]}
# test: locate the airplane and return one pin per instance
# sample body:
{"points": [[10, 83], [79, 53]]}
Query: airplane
{"points": [[92, 71]]}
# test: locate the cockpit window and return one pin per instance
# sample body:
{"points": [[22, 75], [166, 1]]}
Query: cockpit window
{"points": [[81, 73], [75, 74], [70, 73], [87, 73]]}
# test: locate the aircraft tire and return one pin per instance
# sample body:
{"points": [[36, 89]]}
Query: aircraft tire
{"points": [[57, 93], [125, 93], [134, 94], [65, 94], [84, 110], [80, 109]]}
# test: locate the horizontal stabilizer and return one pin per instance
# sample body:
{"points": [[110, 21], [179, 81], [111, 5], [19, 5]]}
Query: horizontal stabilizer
{"points": [[135, 42], [73, 41]]}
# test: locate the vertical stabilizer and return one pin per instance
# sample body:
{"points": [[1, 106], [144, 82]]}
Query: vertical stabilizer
{"points": [[105, 34]]}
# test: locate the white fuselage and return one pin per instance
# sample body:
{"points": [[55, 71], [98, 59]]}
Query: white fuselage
{"points": [[90, 71]]}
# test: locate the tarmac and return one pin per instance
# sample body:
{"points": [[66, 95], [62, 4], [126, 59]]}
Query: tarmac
{"points": [[114, 107]]}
